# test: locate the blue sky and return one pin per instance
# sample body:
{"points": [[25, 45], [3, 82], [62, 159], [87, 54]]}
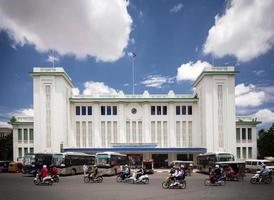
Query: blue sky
{"points": [[172, 40]]}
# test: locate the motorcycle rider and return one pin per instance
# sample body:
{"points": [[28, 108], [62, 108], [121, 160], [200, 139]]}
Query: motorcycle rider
{"points": [[44, 173], [216, 174], [177, 176], [264, 172], [125, 172], [140, 172], [94, 172]]}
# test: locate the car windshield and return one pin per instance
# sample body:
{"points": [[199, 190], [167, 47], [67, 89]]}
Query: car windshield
{"points": [[58, 159], [29, 159]]}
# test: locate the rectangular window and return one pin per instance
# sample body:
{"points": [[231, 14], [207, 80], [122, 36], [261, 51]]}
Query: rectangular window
{"points": [[109, 138], [128, 131], [243, 134], [115, 134], [90, 134], [134, 132], [244, 152], [239, 152], [249, 134], [164, 110], [19, 135], [189, 110], [31, 150], [84, 133], [140, 132], [20, 152], [153, 135], [238, 137], [159, 133], [108, 110], [178, 110], [183, 110], [25, 150], [89, 110], [152, 109], [190, 134], [77, 110], [31, 135], [103, 133], [178, 134], [249, 152], [103, 110], [159, 110], [78, 134], [184, 134], [114, 110], [165, 134], [25, 135], [84, 110]]}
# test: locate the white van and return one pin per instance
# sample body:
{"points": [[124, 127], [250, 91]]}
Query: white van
{"points": [[254, 165]]}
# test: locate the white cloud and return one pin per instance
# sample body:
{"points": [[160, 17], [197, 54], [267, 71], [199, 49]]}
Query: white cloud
{"points": [[258, 72], [157, 81], [190, 70], [75, 91], [22, 112], [83, 28], [5, 125], [248, 96], [246, 30], [265, 115], [176, 8], [98, 88]]}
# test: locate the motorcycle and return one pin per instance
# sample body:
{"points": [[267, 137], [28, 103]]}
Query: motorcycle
{"points": [[209, 181], [38, 180], [170, 183], [132, 179], [91, 179], [258, 179]]}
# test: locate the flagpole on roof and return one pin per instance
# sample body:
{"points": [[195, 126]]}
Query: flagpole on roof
{"points": [[132, 56]]}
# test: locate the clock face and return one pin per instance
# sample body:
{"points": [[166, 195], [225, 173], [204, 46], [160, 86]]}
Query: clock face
{"points": [[133, 110]]}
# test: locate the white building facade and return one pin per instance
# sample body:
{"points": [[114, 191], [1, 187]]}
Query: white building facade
{"points": [[159, 127]]}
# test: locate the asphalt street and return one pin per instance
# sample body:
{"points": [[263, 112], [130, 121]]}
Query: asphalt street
{"points": [[16, 187]]}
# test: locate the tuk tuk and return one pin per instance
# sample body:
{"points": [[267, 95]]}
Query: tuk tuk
{"points": [[13, 167], [233, 170], [188, 165], [148, 166]]}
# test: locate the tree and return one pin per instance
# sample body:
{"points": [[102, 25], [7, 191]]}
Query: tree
{"points": [[266, 142], [6, 145]]}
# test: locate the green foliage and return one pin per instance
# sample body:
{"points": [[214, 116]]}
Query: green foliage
{"points": [[6, 147], [266, 142], [12, 120]]}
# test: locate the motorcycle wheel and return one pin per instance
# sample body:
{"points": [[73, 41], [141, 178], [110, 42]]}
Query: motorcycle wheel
{"points": [[183, 185], [119, 179], [49, 182], [35, 182], [268, 180], [165, 185], [145, 181], [253, 180], [207, 182], [86, 179], [56, 179], [99, 179], [222, 182]]}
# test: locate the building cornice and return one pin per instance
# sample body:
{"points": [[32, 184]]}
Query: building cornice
{"points": [[205, 73]]}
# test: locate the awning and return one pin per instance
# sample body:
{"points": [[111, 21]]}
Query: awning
{"points": [[137, 149]]}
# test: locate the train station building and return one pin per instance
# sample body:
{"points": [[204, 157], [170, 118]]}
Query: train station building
{"points": [[158, 127]]}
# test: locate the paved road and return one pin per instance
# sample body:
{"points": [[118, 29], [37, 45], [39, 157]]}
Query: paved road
{"points": [[16, 187]]}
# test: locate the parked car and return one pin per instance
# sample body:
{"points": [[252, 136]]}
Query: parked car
{"points": [[4, 165], [252, 166]]}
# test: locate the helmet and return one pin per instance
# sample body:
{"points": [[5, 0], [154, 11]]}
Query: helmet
{"points": [[263, 165], [126, 165], [182, 166], [44, 166], [217, 166]]}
